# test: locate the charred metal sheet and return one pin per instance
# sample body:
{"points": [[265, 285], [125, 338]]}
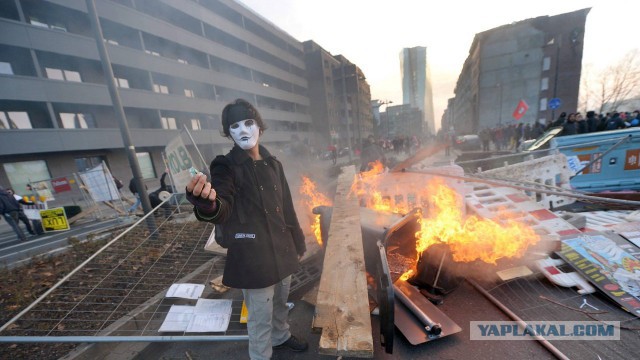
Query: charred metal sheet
{"points": [[419, 319]]}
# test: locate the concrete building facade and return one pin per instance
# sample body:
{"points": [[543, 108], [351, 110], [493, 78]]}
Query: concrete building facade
{"points": [[416, 84], [177, 63], [400, 121], [341, 99], [534, 60]]}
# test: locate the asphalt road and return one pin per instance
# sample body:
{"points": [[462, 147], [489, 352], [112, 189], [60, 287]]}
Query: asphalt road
{"points": [[463, 305]]}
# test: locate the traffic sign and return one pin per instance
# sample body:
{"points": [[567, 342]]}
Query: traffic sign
{"points": [[554, 103], [54, 219]]}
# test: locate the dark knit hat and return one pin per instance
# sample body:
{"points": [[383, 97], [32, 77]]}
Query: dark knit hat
{"points": [[240, 110], [237, 112]]}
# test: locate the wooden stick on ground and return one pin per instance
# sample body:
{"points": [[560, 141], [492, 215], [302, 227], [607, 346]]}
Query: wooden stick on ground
{"points": [[342, 309]]}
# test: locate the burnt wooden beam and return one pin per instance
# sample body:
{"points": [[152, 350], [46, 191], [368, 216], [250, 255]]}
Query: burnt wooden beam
{"points": [[342, 308]]}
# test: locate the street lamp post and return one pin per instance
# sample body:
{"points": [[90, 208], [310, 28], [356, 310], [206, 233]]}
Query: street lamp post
{"points": [[555, 78], [499, 85], [118, 108]]}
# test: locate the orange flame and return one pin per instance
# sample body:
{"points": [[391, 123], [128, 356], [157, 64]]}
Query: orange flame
{"points": [[313, 198], [471, 238], [364, 187]]}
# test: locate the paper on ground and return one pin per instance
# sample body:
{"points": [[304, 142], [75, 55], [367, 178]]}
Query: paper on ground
{"points": [[186, 291], [209, 323], [209, 315], [178, 318], [213, 306]]}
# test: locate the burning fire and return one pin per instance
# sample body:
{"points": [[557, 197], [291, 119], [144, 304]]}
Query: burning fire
{"points": [[470, 238], [313, 198], [365, 188]]}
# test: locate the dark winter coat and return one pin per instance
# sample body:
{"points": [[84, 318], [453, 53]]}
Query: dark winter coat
{"points": [[8, 203], [615, 123], [570, 128], [592, 122], [154, 196], [257, 219], [132, 186], [582, 126]]}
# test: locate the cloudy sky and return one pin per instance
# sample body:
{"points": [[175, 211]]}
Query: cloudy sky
{"points": [[372, 33]]}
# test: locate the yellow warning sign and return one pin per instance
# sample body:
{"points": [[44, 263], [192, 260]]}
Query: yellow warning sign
{"points": [[54, 219]]}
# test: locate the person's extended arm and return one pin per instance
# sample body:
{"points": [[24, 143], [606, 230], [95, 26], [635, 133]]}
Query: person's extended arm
{"points": [[212, 201], [202, 195]]}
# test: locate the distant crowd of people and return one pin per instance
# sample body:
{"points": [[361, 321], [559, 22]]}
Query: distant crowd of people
{"points": [[575, 123], [509, 137]]}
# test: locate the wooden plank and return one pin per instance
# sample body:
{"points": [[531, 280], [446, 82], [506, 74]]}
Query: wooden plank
{"points": [[117, 209], [342, 309], [83, 214]]}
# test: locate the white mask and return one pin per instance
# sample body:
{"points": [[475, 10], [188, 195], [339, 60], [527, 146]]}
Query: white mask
{"points": [[245, 133]]}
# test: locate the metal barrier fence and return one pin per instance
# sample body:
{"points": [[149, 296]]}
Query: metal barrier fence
{"points": [[118, 294], [69, 191]]}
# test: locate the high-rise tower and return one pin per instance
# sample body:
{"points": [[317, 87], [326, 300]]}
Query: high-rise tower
{"points": [[416, 84]]}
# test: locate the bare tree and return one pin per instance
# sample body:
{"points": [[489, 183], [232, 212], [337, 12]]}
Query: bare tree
{"points": [[586, 92], [613, 87], [618, 83]]}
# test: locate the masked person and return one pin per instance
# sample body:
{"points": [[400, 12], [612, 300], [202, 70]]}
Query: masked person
{"points": [[249, 200]]}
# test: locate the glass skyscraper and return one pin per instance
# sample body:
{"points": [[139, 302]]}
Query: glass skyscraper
{"points": [[416, 84]]}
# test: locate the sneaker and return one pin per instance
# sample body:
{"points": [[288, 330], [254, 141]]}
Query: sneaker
{"points": [[293, 344]]}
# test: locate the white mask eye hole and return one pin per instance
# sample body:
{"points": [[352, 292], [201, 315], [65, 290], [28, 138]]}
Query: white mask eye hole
{"points": [[247, 123]]}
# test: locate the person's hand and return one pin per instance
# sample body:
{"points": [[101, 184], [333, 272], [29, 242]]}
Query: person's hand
{"points": [[201, 194]]}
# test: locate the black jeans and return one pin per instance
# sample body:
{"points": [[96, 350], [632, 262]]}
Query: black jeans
{"points": [[13, 218], [26, 221]]}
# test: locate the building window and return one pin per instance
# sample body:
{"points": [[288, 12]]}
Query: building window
{"points": [[56, 26], [188, 93], [88, 163], [55, 74], [546, 63], [543, 104], [544, 85], [161, 89], [24, 172], [169, 123], [15, 120], [195, 124], [146, 165], [122, 83], [36, 22], [77, 121], [59, 74], [5, 68]]}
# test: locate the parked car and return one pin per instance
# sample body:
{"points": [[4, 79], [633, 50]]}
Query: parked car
{"points": [[468, 143]]}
